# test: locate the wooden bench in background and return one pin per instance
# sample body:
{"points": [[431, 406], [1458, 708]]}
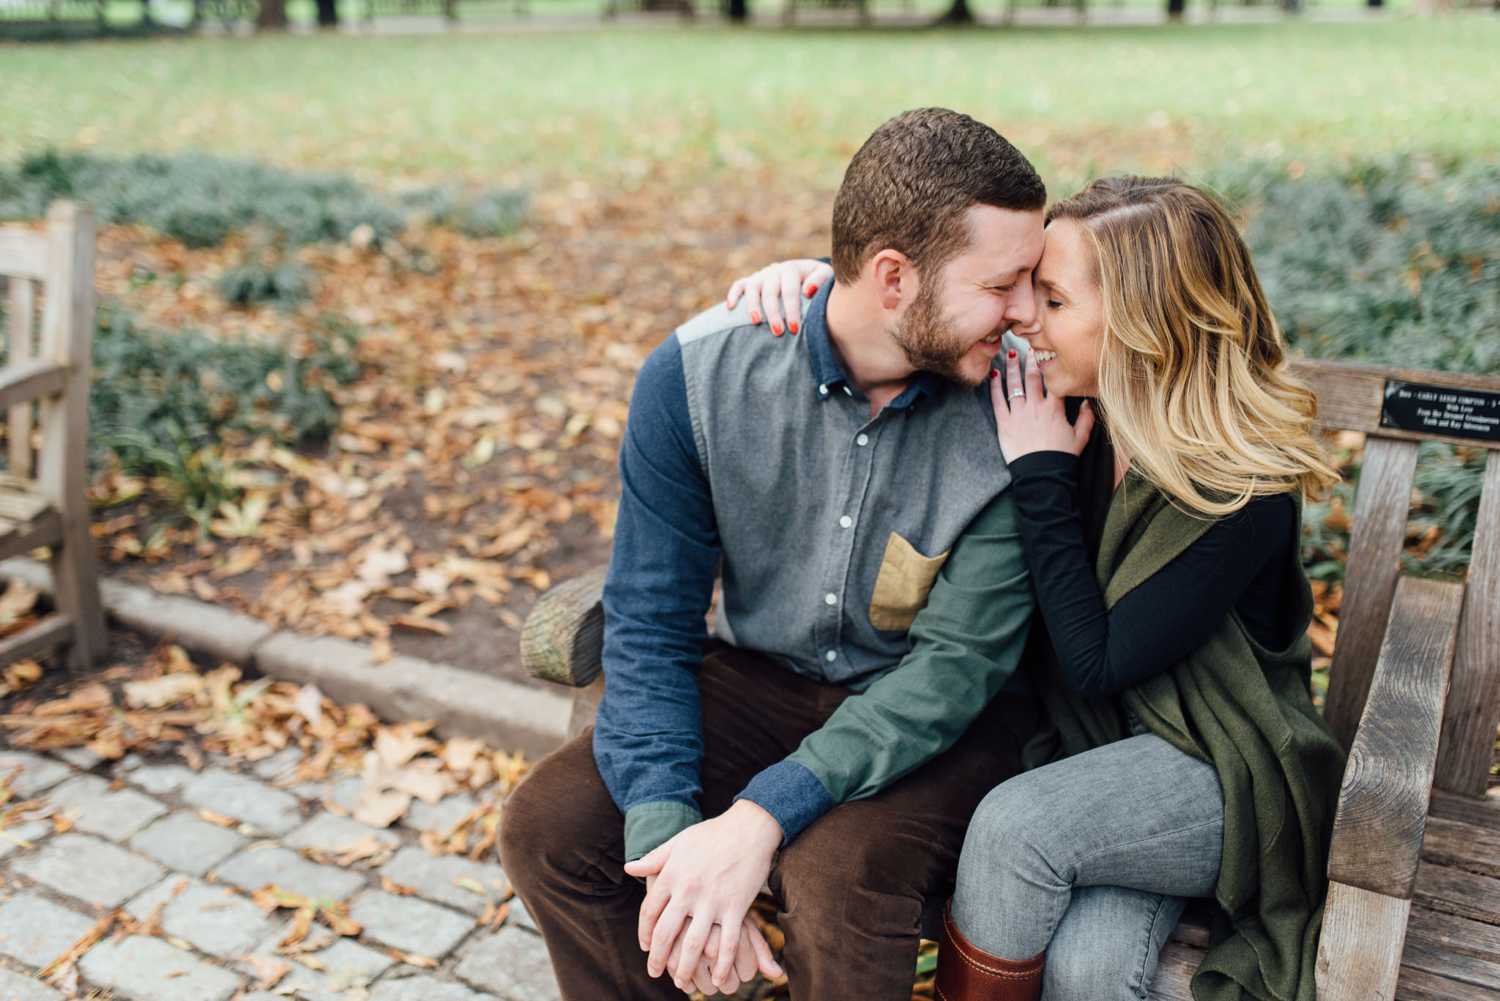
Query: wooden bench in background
{"points": [[1414, 693], [44, 386]]}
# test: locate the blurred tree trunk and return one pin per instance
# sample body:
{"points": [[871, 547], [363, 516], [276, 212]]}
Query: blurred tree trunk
{"points": [[328, 14], [1375, 3], [737, 10], [959, 13], [271, 16], [1175, 9]]}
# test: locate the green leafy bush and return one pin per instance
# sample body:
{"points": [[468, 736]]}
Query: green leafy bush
{"points": [[162, 403], [1395, 263], [254, 284], [201, 199]]}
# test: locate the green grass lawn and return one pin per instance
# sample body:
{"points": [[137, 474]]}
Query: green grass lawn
{"points": [[543, 107]]}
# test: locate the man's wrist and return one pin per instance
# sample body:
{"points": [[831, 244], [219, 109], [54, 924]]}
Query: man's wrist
{"points": [[765, 830]]}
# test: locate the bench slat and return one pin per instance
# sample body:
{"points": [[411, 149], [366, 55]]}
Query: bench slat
{"points": [[1453, 947], [1377, 833], [1473, 714], [1350, 396], [1380, 512], [1466, 846], [1419, 985], [1175, 972], [1359, 955], [1457, 891]]}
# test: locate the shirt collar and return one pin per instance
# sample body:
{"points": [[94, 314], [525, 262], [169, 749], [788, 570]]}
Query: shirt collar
{"points": [[828, 371]]}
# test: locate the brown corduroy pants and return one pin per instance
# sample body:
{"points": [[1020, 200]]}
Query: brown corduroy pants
{"points": [[850, 890]]}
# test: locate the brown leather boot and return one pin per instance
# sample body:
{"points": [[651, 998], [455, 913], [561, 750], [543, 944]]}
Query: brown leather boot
{"points": [[966, 973]]}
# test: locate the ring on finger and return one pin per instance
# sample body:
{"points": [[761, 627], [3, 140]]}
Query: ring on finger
{"points": [[1018, 391]]}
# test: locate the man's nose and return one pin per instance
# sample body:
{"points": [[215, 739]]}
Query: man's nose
{"points": [[1021, 310]]}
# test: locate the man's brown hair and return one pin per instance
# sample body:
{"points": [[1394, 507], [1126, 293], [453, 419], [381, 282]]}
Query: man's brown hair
{"points": [[908, 188]]}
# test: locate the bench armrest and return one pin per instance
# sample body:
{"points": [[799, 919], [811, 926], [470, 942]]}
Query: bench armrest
{"points": [[563, 637], [30, 380]]}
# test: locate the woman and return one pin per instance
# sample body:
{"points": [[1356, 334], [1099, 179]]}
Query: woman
{"points": [[1185, 758]]}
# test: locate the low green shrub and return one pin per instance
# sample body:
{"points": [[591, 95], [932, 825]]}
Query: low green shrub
{"points": [[1397, 263], [253, 284], [163, 403], [201, 199]]}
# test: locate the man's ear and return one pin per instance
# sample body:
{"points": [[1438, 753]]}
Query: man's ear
{"points": [[893, 277]]}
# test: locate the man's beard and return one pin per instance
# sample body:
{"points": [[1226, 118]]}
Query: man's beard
{"points": [[921, 336]]}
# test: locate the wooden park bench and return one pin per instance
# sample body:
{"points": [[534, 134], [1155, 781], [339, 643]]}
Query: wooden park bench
{"points": [[1414, 692], [42, 496]]}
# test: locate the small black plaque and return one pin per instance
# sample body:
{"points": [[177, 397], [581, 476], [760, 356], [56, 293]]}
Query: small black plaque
{"points": [[1456, 413]]}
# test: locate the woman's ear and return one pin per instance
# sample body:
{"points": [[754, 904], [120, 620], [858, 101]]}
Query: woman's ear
{"points": [[893, 278]]}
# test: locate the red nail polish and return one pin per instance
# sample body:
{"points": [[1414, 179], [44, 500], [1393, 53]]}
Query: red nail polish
{"points": [[754, 316], [812, 290], [1011, 353], [994, 373], [776, 329], [792, 326]]}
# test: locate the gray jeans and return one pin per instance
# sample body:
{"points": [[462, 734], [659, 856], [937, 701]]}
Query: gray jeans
{"points": [[1089, 859]]}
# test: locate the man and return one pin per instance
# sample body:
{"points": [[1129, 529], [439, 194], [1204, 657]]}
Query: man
{"points": [[847, 487]]}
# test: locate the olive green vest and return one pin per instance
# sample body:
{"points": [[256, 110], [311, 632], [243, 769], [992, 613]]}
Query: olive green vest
{"points": [[1249, 712]]}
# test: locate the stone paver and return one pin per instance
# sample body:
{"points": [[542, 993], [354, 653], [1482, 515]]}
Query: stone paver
{"points": [[36, 931], [441, 816], [96, 809], [332, 834], [249, 800], [212, 919], [280, 765], [14, 987], [512, 963], [142, 968], [258, 865], [89, 869], [410, 924], [35, 772], [14, 839], [424, 988], [79, 757], [343, 968], [521, 917], [158, 779], [183, 842], [448, 879]]}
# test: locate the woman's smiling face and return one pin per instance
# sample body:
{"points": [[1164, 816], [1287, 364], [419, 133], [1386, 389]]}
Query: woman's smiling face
{"points": [[1068, 335]]}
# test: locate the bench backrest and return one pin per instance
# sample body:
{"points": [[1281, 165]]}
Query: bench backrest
{"points": [[1397, 409], [59, 261]]}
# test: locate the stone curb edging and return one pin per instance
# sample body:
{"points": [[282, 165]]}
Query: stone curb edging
{"points": [[463, 703]]}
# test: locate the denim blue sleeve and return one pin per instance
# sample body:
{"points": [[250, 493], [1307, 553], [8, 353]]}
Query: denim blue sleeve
{"points": [[648, 742]]}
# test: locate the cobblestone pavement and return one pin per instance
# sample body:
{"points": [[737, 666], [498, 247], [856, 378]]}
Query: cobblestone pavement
{"points": [[139, 839]]}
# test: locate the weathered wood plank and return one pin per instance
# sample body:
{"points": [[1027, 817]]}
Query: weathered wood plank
{"points": [[23, 253], [1175, 972], [1472, 847], [1482, 810], [1457, 891], [1453, 947], [20, 317], [1473, 714], [563, 637], [1359, 955], [1350, 396], [1419, 985], [34, 641], [68, 320], [30, 380], [1380, 513], [1377, 833], [23, 537]]}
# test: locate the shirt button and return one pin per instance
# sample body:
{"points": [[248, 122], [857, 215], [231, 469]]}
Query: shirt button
{"points": [[862, 440], [830, 598], [848, 391], [845, 521], [822, 390], [831, 656]]}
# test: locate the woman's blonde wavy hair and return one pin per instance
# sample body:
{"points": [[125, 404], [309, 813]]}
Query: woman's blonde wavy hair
{"points": [[1193, 378]]}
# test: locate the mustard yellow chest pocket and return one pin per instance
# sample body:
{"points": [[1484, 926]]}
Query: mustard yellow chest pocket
{"points": [[901, 588]]}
